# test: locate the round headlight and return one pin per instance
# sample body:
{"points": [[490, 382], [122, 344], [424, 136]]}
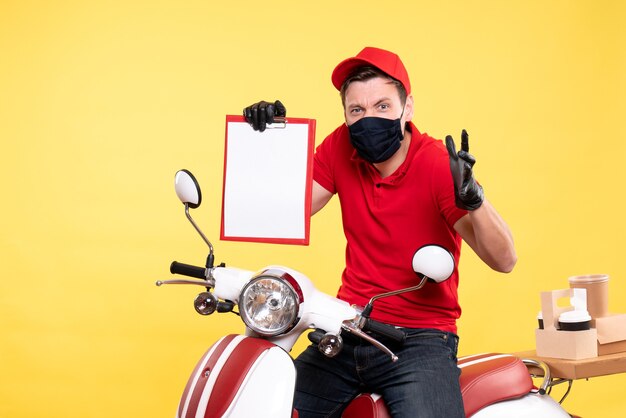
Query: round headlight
{"points": [[268, 305]]}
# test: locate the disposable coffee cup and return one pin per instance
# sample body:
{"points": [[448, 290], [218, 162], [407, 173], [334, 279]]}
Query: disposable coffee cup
{"points": [[597, 286], [574, 321]]}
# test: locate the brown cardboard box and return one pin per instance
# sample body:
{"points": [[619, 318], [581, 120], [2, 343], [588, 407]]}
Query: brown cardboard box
{"points": [[551, 342], [611, 334], [580, 369]]}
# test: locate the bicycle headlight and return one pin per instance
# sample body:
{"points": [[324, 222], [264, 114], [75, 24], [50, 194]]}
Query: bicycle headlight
{"points": [[269, 303]]}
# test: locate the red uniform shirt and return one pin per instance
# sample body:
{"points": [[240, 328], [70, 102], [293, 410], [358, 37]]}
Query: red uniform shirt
{"points": [[387, 220]]}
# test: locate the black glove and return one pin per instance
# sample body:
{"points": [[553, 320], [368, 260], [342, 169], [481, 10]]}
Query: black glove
{"points": [[260, 114], [469, 194]]}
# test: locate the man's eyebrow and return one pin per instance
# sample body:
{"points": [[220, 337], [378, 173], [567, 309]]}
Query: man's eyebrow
{"points": [[379, 101]]}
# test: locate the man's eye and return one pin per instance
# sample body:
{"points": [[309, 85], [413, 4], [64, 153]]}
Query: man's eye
{"points": [[384, 106]]}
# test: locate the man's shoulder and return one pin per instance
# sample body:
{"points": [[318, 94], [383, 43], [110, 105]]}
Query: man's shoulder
{"points": [[428, 146], [339, 132], [338, 141]]}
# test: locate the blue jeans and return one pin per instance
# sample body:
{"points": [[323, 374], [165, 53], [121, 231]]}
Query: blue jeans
{"points": [[423, 383]]}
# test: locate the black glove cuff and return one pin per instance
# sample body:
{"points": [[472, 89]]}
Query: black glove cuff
{"points": [[471, 197]]}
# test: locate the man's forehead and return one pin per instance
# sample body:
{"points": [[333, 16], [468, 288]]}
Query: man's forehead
{"points": [[376, 80], [374, 89]]}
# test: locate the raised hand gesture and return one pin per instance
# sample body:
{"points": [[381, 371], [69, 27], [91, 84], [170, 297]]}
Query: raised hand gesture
{"points": [[468, 193]]}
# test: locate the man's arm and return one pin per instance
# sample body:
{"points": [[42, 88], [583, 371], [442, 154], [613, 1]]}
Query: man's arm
{"points": [[320, 197], [486, 232], [482, 228]]}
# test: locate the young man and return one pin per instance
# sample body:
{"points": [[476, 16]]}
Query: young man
{"points": [[399, 189]]}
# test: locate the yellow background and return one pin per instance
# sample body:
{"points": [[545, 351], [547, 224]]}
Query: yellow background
{"points": [[101, 102]]}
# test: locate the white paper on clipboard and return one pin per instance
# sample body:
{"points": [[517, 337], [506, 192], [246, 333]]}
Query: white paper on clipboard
{"points": [[268, 182]]}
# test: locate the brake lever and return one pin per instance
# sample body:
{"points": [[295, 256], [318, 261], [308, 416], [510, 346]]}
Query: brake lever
{"points": [[351, 328], [205, 283]]}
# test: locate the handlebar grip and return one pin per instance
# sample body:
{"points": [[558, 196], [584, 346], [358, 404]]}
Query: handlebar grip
{"points": [[187, 270], [385, 330], [316, 336]]}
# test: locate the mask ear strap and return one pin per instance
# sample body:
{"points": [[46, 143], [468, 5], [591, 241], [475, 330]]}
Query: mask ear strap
{"points": [[403, 107], [406, 124]]}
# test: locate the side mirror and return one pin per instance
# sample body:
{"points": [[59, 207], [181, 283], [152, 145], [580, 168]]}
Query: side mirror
{"points": [[434, 262], [187, 189]]}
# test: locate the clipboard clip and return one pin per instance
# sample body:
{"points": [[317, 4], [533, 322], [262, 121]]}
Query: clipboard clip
{"points": [[280, 122]]}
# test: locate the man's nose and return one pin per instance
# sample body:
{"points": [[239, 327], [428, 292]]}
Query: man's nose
{"points": [[367, 113]]}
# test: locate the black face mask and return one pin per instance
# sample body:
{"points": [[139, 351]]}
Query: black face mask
{"points": [[376, 139]]}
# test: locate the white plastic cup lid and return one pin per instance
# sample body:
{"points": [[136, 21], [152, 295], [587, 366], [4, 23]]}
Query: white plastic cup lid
{"points": [[571, 317]]}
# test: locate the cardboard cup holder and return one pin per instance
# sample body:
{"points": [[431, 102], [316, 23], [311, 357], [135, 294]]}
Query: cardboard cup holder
{"points": [[552, 341], [583, 330]]}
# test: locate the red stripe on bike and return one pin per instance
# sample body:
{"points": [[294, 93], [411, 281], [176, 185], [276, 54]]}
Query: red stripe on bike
{"points": [[233, 373], [196, 386]]}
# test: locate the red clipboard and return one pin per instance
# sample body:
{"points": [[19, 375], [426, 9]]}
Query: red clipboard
{"points": [[268, 176]]}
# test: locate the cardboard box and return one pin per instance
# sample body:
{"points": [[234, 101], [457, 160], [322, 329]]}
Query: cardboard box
{"points": [[551, 342], [611, 334], [579, 369]]}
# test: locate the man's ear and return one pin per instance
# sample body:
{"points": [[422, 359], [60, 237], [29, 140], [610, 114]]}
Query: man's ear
{"points": [[408, 108]]}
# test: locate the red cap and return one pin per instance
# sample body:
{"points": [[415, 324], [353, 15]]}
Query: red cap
{"points": [[386, 61]]}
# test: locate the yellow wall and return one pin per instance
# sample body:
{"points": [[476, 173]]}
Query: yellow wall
{"points": [[101, 102]]}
